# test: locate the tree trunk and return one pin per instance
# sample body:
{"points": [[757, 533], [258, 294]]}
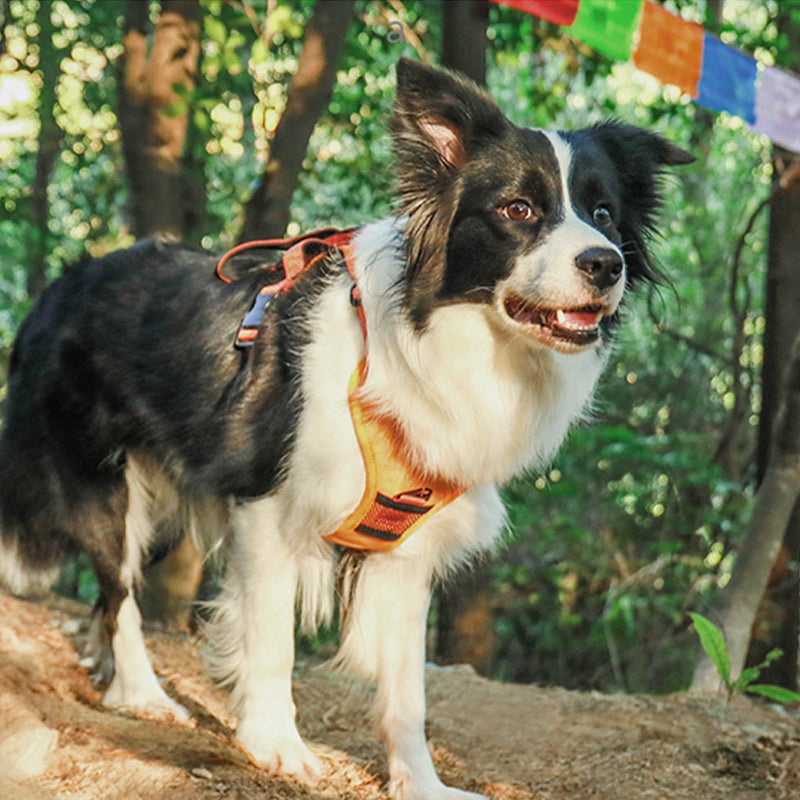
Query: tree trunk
{"points": [[778, 620], [171, 587], [49, 145], [464, 622], [776, 624], [161, 205], [464, 27], [310, 91], [737, 604], [153, 141]]}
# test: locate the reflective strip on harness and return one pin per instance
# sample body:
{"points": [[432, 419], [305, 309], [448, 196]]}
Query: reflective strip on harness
{"points": [[396, 499]]}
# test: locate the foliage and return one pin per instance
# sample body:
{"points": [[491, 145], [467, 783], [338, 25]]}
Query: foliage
{"points": [[716, 649], [638, 517]]}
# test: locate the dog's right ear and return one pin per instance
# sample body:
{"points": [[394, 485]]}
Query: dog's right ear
{"points": [[440, 119]]}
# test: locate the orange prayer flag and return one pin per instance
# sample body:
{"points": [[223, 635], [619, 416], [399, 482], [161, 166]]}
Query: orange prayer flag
{"points": [[669, 48]]}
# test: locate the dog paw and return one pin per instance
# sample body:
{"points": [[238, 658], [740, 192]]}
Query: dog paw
{"points": [[147, 702], [407, 790], [282, 754]]}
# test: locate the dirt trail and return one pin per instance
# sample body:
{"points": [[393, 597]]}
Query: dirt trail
{"points": [[511, 742]]}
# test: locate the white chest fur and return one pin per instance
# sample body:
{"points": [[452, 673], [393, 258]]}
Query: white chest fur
{"points": [[477, 404]]}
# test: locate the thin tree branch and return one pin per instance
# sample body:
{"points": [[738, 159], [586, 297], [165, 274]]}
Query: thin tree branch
{"points": [[310, 91], [694, 344], [737, 604]]}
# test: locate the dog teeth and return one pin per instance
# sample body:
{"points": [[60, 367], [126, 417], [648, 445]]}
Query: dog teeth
{"points": [[578, 320]]}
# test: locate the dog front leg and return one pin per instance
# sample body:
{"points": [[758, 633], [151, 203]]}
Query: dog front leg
{"points": [[253, 628], [387, 623]]}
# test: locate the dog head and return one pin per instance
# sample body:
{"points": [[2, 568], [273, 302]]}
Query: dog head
{"points": [[546, 228]]}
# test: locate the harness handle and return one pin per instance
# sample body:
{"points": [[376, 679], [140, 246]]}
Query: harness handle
{"points": [[330, 236], [301, 253]]}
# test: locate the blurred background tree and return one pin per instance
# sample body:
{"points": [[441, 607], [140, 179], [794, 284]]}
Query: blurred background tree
{"points": [[120, 119]]}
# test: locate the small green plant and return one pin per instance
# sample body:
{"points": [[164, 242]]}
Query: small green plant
{"points": [[713, 643]]}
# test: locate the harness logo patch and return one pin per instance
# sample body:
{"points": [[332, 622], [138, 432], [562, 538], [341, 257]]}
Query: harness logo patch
{"points": [[390, 517]]}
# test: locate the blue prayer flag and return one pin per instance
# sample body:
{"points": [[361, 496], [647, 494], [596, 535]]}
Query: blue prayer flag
{"points": [[727, 80]]}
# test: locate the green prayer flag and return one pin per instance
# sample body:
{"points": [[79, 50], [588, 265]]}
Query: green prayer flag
{"points": [[608, 26]]}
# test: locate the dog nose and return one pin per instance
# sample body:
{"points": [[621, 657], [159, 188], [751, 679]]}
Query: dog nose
{"points": [[602, 266]]}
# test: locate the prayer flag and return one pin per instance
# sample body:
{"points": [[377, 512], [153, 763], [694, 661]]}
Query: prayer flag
{"points": [[669, 48], [778, 108], [561, 12], [727, 80], [608, 25]]}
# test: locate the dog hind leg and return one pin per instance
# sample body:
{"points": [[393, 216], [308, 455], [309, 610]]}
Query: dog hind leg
{"points": [[134, 684], [97, 656], [252, 629]]}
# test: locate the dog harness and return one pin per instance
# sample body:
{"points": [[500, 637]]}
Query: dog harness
{"points": [[397, 497]]}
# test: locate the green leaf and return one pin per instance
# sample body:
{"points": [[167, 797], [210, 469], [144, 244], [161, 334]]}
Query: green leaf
{"points": [[215, 29], [746, 677], [777, 693], [714, 644], [260, 52], [231, 61], [176, 109], [181, 90], [773, 655], [281, 20]]}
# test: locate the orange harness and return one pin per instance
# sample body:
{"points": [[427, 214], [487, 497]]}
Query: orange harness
{"points": [[397, 498]]}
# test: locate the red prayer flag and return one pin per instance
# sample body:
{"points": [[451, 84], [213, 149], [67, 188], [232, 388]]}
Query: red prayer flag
{"points": [[561, 12], [669, 47]]}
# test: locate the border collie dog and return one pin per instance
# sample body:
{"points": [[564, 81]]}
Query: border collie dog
{"points": [[490, 300]]}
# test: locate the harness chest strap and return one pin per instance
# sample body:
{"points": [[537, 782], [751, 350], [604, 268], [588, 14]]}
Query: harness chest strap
{"points": [[397, 499]]}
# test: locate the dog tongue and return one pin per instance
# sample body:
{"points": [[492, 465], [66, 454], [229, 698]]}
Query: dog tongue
{"points": [[577, 320]]}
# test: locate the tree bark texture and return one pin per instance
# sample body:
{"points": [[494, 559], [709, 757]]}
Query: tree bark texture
{"points": [[153, 141], [464, 27], [161, 205], [171, 587], [737, 604], [777, 621], [308, 95], [49, 146]]}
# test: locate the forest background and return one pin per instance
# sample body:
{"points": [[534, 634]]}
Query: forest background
{"points": [[638, 519]]}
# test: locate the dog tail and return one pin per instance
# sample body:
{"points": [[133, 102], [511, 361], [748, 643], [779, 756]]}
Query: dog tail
{"points": [[24, 573], [30, 552]]}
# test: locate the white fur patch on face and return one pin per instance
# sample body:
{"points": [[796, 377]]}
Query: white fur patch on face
{"points": [[546, 291]]}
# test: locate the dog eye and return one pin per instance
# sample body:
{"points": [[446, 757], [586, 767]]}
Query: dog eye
{"points": [[602, 217], [518, 210]]}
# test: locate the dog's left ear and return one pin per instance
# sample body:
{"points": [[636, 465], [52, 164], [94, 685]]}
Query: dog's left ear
{"points": [[639, 157], [440, 119]]}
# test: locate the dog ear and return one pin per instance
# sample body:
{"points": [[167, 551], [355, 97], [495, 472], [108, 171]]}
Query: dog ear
{"points": [[441, 120], [440, 117], [639, 157]]}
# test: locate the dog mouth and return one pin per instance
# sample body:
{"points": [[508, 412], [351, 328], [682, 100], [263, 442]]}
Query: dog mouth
{"points": [[564, 329]]}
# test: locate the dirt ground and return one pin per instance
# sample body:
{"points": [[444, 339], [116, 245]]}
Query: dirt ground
{"points": [[510, 742]]}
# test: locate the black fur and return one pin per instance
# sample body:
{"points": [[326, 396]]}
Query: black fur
{"points": [[620, 165], [134, 351]]}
